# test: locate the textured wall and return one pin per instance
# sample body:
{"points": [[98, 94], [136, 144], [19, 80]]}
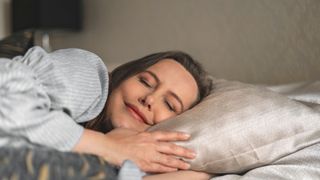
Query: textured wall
{"points": [[264, 41]]}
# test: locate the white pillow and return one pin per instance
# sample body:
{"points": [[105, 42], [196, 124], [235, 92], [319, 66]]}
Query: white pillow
{"points": [[240, 126]]}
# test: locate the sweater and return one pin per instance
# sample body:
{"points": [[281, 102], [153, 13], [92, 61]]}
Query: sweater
{"points": [[43, 96]]}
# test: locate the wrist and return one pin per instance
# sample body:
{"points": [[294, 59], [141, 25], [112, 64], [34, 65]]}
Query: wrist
{"points": [[97, 143]]}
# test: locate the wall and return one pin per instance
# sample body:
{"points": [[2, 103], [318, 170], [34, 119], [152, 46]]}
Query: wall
{"points": [[4, 18], [265, 41]]}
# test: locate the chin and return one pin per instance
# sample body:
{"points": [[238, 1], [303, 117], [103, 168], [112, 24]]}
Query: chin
{"points": [[128, 124], [121, 124], [139, 129]]}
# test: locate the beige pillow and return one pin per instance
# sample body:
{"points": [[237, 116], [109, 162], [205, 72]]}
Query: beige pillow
{"points": [[241, 126]]}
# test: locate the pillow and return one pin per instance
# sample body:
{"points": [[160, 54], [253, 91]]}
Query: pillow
{"points": [[240, 126]]}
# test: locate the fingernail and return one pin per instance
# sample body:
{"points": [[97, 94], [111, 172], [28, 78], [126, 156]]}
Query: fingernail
{"points": [[174, 169], [193, 154], [187, 166], [186, 135]]}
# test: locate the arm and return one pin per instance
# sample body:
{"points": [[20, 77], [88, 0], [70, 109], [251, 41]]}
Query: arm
{"points": [[25, 110]]}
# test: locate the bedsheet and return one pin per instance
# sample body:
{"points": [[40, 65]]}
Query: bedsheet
{"points": [[307, 93]]}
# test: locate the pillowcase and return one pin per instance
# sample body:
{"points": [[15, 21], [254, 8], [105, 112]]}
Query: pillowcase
{"points": [[240, 126]]}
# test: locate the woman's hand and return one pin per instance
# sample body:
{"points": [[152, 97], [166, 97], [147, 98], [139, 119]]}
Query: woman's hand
{"points": [[151, 151]]}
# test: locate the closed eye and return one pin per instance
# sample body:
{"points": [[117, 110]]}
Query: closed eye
{"points": [[144, 82], [169, 106]]}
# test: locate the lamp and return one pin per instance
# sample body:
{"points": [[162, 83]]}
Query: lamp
{"points": [[46, 15]]}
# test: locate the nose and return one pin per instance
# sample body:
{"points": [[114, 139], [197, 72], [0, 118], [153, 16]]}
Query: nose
{"points": [[147, 101]]}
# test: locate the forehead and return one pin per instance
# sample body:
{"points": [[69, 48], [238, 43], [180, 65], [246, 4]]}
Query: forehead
{"points": [[175, 78]]}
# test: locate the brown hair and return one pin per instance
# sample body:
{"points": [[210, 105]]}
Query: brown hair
{"points": [[131, 68]]}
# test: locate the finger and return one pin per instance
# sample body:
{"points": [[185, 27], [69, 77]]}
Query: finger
{"points": [[170, 136], [173, 149], [157, 168], [172, 162]]}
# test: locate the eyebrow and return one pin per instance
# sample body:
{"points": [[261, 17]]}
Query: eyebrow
{"points": [[171, 93]]}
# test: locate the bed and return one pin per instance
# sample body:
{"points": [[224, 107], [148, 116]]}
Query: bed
{"points": [[240, 131]]}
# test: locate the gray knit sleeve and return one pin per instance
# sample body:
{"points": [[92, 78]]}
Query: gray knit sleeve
{"points": [[25, 109], [43, 98]]}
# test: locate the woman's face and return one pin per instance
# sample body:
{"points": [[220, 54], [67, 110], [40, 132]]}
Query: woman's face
{"points": [[162, 91]]}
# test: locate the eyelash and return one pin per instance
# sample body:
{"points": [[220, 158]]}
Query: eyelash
{"points": [[169, 106], [144, 82]]}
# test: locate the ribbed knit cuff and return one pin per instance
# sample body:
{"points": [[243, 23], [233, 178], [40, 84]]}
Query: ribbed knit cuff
{"points": [[58, 131]]}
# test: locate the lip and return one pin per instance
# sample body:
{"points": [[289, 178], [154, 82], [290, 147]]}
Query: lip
{"points": [[136, 113]]}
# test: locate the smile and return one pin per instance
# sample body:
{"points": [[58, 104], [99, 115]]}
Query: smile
{"points": [[134, 111]]}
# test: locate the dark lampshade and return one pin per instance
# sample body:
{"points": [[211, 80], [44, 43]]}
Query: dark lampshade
{"points": [[46, 14]]}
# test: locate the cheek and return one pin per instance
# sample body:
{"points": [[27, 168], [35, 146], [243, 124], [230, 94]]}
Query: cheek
{"points": [[113, 104], [116, 110], [162, 115], [131, 90]]}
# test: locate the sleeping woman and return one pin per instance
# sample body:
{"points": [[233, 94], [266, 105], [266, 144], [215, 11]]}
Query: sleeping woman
{"points": [[66, 100]]}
